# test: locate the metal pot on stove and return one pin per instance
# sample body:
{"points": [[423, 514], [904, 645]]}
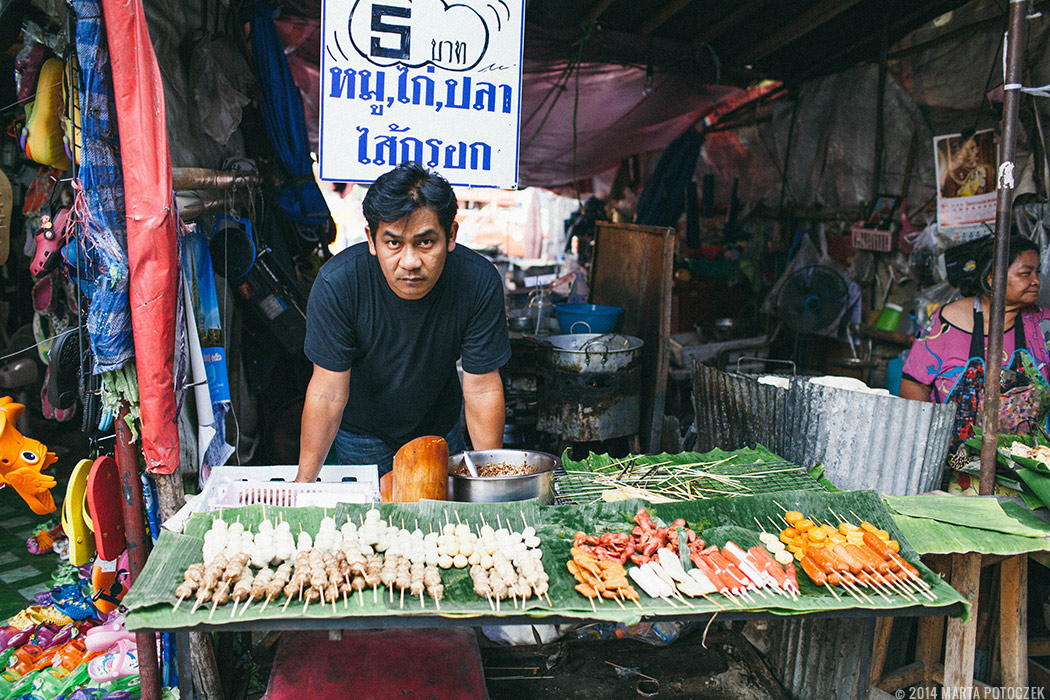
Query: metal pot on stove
{"points": [[592, 352], [589, 387]]}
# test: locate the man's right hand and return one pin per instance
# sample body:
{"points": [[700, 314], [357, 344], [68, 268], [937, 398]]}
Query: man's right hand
{"points": [[326, 397]]}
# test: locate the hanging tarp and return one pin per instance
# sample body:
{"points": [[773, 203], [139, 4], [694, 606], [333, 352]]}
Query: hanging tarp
{"points": [[663, 199], [100, 199], [282, 109], [150, 215]]}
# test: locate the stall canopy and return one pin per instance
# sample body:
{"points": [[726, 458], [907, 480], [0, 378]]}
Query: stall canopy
{"points": [[649, 69]]}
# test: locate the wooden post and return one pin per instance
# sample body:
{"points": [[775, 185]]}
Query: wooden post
{"points": [[962, 639], [928, 641], [880, 103], [1013, 621], [138, 546], [883, 628], [1003, 219], [205, 671], [196, 655]]}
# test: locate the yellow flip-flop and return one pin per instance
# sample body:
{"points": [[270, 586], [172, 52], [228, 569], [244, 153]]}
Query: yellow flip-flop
{"points": [[74, 514]]}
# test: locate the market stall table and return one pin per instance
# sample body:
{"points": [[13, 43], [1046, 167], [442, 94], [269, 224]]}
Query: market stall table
{"points": [[958, 536], [151, 600]]}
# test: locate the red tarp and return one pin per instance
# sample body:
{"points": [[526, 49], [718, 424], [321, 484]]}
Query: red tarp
{"points": [[149, 205]]}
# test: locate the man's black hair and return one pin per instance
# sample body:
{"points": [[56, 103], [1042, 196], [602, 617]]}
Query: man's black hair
{"points": [[403, 190], [1018, 244]]}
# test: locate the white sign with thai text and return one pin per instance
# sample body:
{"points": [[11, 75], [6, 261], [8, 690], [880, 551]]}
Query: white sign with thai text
{"points": [[421, 80]]}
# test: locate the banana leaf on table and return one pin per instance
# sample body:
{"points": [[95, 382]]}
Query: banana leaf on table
{"points": [[716, 520], [1006, 458], [961, 524], [974, 512], [681, 477], [1038, 482]]}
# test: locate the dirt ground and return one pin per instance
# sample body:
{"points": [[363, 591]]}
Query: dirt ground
{"points": [[728, 668]]}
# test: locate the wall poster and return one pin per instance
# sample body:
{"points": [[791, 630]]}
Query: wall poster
{"points": [[966, 171]]}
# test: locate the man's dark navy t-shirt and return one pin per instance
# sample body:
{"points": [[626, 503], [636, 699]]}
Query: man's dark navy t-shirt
{"points": [[402, 353]]}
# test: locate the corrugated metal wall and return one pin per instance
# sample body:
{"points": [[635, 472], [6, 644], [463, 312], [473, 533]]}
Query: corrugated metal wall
{"points": [[822, 659], [865, 441]]}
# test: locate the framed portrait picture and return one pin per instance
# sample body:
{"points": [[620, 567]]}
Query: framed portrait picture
{"points": [[883, 211]]}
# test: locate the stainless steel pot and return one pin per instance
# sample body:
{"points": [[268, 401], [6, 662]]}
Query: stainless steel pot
{"points": [[538, 483], [592, 352]]}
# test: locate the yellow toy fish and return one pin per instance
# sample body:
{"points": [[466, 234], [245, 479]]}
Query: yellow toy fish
{"points": [[21, 460]]}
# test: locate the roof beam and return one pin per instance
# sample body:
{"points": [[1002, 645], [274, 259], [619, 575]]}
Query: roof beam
{"points": [[669, 10], [731, 20], [805, 23], [903, 24], [595, 11]]}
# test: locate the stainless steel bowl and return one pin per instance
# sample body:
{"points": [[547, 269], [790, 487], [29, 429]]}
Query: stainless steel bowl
{"points": [[538, 483]]}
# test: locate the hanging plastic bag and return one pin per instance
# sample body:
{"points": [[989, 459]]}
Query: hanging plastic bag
{"points": [[1033, 220], [223, 78]]}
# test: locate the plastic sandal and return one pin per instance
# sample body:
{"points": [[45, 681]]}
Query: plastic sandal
{"points": [[103, 637], [120, 661], [27, 658], [43, 542], [109, 583], [74, 510], [71, 600], [49, 240], [35, 614], [63, 377], [70, 655]]}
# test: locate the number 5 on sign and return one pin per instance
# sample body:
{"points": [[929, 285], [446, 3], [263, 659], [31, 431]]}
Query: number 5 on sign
{"points": [[421, 80]]}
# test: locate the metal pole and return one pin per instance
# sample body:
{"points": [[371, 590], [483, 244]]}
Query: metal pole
{"points": [[138, 546], [996, 315]]}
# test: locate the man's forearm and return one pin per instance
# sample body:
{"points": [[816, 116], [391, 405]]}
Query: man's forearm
{"points": [[485, 411], [320, 424]]}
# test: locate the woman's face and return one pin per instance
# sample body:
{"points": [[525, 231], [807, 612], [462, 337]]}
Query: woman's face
{"points": [[1022, 279], [969, 152]]}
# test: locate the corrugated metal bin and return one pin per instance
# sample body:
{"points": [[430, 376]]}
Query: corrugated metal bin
{"points": [[891, 445], [865, 441]]}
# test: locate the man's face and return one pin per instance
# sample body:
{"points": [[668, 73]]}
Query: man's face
{"points": [[412, 251]]}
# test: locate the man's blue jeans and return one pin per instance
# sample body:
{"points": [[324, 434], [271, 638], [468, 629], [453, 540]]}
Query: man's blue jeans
{"points": [[352, 448]]}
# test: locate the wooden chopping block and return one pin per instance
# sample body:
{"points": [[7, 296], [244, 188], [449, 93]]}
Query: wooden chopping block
{"points": [[420, 471]]}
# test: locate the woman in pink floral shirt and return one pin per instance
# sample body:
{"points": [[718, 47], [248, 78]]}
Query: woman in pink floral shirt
{"points": [[946, 362]]}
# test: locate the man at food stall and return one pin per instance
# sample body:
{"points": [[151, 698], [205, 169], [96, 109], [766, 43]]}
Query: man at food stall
{"points": [[387, 320], [947, 361]]}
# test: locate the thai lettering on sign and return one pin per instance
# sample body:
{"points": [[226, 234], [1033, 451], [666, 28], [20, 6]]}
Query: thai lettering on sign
{"points": [[421, 80]]}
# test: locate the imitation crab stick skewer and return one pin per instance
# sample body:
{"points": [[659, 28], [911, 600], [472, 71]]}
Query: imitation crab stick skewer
{"points": [[725, 568], [722, 585]]}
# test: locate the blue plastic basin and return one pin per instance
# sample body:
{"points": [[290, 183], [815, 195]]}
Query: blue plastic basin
{"points": [[587, 318]]}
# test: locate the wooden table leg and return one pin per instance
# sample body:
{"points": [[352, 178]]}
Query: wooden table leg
{"points": [[1013, 620], [883, 628], [928, 641], [962, 639]]}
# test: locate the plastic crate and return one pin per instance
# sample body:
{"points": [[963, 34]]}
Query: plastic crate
{"points": [[872, 239], [233, 487]]}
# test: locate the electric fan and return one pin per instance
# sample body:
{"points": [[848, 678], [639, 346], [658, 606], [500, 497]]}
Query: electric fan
{"points": [[812, 298]]}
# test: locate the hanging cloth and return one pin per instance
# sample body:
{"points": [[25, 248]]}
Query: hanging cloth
{"points": [[1024, 398], [282, 108], [99, 207], [663, 199], [150, 215]]}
